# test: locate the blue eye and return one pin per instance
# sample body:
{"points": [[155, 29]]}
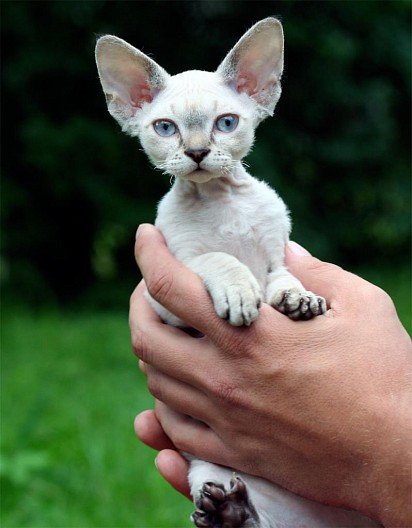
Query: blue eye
{"points": [[227, 123], [164, 128]]}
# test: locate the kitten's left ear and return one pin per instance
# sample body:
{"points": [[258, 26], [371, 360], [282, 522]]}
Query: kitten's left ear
{"points": [[255, 64]]}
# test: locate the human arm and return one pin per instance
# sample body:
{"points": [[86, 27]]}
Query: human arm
{"points": [[320, 407]]}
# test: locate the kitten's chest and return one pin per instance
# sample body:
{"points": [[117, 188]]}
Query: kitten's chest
{"points": [[232, 226], [231, 221], [211, 221], [235, 224]]}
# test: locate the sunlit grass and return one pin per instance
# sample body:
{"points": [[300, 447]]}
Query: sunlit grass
{"points": [[71, 388]]}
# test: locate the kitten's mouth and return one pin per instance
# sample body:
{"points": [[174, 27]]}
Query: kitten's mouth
{"points": [[199, 171]]}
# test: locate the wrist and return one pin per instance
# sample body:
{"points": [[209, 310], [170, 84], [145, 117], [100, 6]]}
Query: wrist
{"points": [[388, 498]]}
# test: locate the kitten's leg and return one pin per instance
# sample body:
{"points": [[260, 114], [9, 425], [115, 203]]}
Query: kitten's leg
{"points": [[221, 498], [267, 505], [234, 290], [287, 294]]}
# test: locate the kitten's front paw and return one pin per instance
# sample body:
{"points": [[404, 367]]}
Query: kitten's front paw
{"points": [[299, 305], [217, 508], [238, 303]]}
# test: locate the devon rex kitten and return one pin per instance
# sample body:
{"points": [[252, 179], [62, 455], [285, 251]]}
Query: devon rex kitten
{"points": [[222, 223]]}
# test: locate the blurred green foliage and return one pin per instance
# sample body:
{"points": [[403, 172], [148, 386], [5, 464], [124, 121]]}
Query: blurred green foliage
{"points": [[75, 188]]}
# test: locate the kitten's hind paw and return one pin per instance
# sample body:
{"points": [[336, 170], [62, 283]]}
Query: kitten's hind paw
{"points": [[298, 304], [217, 508]]}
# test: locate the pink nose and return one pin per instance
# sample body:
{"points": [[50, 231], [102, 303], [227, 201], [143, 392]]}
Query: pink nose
{"points": [[197, 155]]}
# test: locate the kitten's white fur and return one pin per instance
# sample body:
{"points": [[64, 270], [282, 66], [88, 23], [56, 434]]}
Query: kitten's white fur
{"points": [[221, 222]]}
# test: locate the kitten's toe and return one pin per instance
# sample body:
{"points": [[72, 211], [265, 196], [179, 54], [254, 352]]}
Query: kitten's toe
{"points": [[236, 299], [299, 305], [217, 508], [238, 487], [243, 303], [201, 519]]}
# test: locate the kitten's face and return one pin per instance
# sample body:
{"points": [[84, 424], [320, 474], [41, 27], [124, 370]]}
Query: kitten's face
{"points": [[196, 125], [197, 128]]}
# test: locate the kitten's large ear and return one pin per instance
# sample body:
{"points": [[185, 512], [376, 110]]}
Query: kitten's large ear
{"points": [[255, 64], [129, 77]]}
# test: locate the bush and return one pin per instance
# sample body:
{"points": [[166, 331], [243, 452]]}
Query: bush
{"points": [[75, 188]]}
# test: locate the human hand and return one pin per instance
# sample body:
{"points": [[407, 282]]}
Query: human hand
{"points": [[171, 465], [320, 407]]}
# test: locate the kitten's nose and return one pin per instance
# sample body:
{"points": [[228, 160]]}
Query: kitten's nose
{"points": [[197, 155]]}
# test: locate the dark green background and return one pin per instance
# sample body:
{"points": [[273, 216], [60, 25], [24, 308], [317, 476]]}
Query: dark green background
{"points": [[75, 188]]}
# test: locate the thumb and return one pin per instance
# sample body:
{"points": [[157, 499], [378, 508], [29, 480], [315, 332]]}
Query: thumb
{"points": [[174, 285], [325, 279]]}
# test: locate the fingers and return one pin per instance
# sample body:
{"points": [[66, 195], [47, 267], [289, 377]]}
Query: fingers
{"points": [[322, 278], [179, 396], [172, 284], [148, 314], [171, 465], [150, 432], [192, 436], [174, 468], [169, 349]]}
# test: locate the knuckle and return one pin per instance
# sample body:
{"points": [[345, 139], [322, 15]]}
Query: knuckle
{"points": [[383, 295], [180, 441], [226, 392], [154, 387], [378, 297], [160, 285], [135, 295], [140, 346], [321, 267], [132, 299]]}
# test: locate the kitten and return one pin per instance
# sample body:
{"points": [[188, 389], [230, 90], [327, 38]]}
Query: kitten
{"points": [[222, 223]]}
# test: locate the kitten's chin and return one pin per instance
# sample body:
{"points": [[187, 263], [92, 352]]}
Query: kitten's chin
{"points": [[200, 176]]}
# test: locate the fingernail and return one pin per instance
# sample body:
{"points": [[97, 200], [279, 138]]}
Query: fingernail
{"points": [[297, 249], [155, 463]]}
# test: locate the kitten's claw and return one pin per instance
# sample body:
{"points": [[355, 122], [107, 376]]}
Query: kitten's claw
{"points": [[299, 305], [217, 508]]}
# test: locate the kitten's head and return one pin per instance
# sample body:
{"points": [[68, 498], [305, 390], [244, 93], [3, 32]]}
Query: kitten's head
{"points": [[195, 125]]}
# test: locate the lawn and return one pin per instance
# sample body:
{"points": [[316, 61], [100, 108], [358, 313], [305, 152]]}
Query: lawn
{"points": [[71, 388]]}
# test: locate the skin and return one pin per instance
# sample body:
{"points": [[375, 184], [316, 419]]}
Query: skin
{"points": [[321, 407]]}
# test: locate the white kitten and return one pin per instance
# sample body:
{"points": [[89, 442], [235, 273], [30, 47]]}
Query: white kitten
{"points": [[222, 223]]}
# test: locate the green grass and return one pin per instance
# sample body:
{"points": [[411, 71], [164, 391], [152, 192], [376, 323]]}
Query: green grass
{"points": [[71, 388]]}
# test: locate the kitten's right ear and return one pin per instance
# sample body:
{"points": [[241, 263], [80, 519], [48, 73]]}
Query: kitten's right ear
{"points": [[129, 77]]}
